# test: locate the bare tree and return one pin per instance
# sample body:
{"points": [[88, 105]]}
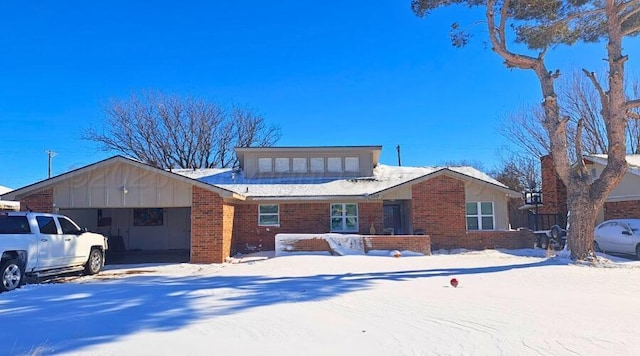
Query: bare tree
{"points": [[579, 102], [633, 127], [525, 130], [169, 131], [464, 162], [540, 25], [518, 172]]}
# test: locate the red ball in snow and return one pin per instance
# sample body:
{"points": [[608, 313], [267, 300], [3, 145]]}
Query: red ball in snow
{"points": [[454, 282]]}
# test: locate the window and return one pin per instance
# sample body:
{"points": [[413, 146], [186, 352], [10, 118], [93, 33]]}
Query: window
{"points": [[264, 165], [480, 215], [344, 217], [317, 165], [352, 164], [68, 227], [268, 215], [334, 164], [47, 225], [148, 217], [14, 224], [282, 165], [299, 165]]}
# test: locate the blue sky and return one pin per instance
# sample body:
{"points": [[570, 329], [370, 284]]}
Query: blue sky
{"points": [[329, 73]]}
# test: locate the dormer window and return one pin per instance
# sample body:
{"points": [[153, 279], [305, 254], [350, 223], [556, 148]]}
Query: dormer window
{"points": [[352, 164], [334, 165], [317, 164], [301, 162], [265, 165], [300, 165], [282, 165]]}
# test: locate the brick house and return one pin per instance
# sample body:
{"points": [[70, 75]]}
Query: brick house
{"points": [[623, 202], [216, 213]]}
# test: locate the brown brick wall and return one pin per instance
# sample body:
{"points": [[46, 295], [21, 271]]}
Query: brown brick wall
{"points": [[307, 218], [480, 240], [554, 192], [41, 202], [211, 227], [306, 245], [368, 213], [622, 209], [438, 207], [415, 243], [228, 217]]}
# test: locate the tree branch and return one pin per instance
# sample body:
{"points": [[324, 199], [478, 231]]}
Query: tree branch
{"points": [[629, 14], [632, 104], [604, 98], [580, 165]]}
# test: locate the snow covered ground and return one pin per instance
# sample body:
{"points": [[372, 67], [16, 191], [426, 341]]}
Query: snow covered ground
{"points": [[516, 302]]}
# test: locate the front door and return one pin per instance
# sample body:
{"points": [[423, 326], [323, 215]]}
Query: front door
{"points": [[393, 218]]}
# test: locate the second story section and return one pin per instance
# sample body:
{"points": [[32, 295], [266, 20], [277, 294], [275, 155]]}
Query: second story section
{"points": [[331, 161]]}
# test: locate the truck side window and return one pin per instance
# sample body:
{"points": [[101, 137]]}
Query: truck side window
{"points": [[47, 225], [14, 225], [68, 227]]}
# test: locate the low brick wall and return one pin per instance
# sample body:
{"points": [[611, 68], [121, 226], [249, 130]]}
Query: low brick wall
{"points": [[310, 245], [481, 240], [415, 243]]}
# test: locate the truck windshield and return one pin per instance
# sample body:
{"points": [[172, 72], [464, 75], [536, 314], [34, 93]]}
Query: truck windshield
{"points": [[14, 225]]}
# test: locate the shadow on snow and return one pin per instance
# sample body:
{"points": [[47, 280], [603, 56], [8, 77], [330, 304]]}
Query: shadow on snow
{"points": [[62, 318]]}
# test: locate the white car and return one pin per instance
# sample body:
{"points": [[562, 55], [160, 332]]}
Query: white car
{"points": [[619, 235]]}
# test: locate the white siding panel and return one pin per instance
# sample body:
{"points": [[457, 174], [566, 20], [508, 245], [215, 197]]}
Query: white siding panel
{"points": [[122, 185]]}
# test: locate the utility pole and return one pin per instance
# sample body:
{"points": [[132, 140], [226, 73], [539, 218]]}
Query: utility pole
{"points": [[50, 154], [398, 149]]}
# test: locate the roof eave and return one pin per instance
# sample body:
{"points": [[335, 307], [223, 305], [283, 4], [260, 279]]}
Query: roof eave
{"points": [[19, 193]]}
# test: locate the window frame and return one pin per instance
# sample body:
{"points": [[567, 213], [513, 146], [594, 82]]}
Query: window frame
{"points": [[344, 218], [479, 215], [261, 214]]}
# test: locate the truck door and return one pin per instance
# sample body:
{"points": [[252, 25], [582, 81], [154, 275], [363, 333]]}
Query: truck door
{"points": [[73, 245], [51, 252]]}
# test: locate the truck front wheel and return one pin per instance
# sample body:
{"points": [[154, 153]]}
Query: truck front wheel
{"points": [[12, 275], [95, 262]]}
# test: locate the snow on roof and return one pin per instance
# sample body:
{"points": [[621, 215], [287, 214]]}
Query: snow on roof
{"points": [[7, 204], [384, 177], [633, 160]]}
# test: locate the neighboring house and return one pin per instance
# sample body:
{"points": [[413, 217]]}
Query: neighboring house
{"points": [[6, 205], [623, 202], [218, 212]]}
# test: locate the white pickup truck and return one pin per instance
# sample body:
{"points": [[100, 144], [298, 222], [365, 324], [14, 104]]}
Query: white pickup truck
{"points": [[40, 244]]}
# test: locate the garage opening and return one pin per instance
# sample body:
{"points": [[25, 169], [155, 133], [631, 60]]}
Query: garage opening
{"points": [[140, 235]]}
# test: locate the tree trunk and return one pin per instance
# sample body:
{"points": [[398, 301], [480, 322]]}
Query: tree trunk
{"points": [[583, 212]]}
